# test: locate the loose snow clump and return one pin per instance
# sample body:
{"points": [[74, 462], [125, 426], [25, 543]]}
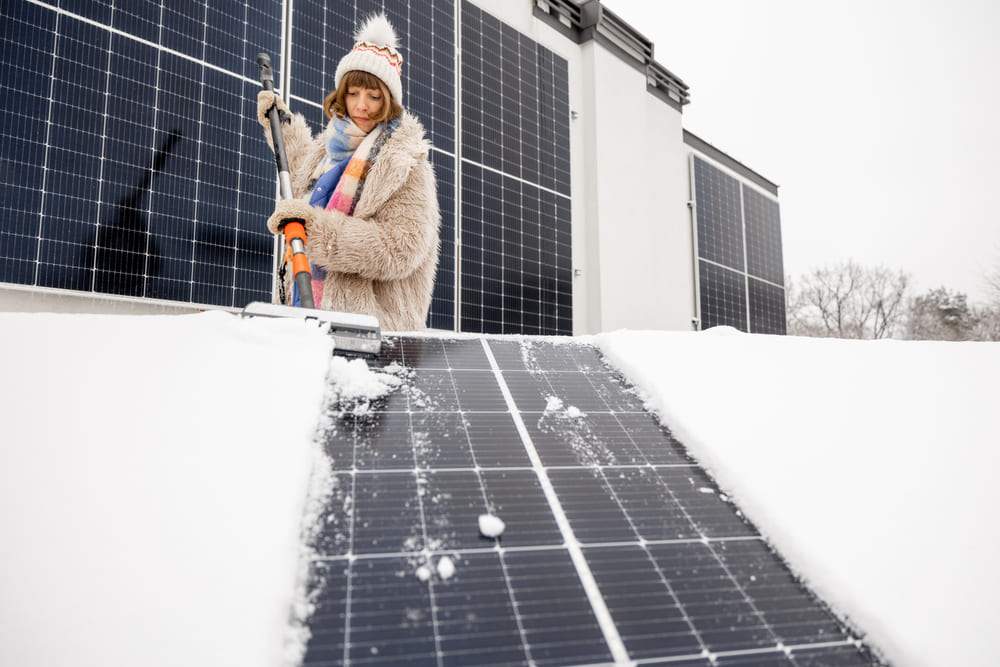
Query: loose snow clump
{"points": [[353, 386], [491, 526], [445, 567]]}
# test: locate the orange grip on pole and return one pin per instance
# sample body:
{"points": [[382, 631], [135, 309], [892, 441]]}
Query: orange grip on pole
{"points": [[294, 229]]}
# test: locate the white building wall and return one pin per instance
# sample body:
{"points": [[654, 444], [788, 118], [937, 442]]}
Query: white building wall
{"points": [[639, 223]]}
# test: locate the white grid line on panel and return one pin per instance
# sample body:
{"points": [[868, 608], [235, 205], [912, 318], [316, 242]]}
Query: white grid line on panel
{"points": [[516, 178], [740, 273], [239, 182], [350, 556], [785, 649], [197, 172], [420, 481], [591, 467], [152, 154], [100, 172], [136, 38], [746, 266], [48, 145], [457, 110], [594, 596]]}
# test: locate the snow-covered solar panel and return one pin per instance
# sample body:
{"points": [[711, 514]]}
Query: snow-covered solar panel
{"points": [[740, 268], [132, 161], [617, 545]]}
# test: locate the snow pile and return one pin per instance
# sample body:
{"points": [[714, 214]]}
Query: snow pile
{"points": [[870, 465], [445, 567], [491, 526], [153, 480], [354, 385]]}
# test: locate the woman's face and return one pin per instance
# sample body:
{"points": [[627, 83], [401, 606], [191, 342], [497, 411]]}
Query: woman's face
{"points": [[363, 104]]}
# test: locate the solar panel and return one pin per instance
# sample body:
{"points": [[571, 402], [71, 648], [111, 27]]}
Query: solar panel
{"points": [[134, 168], [516, 242], [740, 271], [618, 546]]}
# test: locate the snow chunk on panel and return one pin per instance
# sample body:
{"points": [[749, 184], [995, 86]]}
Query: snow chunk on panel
{"points": [[445, 567], [870, 465], [490, 525], [153, 477]]}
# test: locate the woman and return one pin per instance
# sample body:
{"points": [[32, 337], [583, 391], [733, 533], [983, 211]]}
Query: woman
{"points": [[364, 188]]}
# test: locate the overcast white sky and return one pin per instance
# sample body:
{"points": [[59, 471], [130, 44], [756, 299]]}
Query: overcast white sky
{"points": [[879, 120]]}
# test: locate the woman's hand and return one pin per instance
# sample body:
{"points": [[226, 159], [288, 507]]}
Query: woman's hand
{"points": [[291, 208], [267, 99]]}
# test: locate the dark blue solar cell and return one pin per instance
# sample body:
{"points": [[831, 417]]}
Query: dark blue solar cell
{"points": [[140, 18], [767, 307], [718, 216], [722, 296], [184, 28], [763, 232], [96, 10]]}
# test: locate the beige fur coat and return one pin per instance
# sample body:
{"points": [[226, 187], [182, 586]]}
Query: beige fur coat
{"points": [[382, 260]]}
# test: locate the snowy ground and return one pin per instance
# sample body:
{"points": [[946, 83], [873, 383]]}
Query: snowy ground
{"points": [[152, 485], [870, 465]]}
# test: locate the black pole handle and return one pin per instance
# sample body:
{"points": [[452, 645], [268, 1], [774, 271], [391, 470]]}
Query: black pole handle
{"points": [[267, 81]]}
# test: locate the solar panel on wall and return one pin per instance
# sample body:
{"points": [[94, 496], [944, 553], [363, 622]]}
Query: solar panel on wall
{"points": [[516, 241], [132, 163], [322, 32], [740, 270], [618, 547]]}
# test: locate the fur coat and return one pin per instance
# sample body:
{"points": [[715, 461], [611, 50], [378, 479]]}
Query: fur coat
{"points": [[381, 260]]}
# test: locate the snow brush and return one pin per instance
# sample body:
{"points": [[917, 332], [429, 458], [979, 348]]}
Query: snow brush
{"points": [[351, 331]]}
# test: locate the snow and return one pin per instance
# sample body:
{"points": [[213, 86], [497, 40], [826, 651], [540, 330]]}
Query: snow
{"points": [[445, 567], [153, 483], [870, 465], [354, 382], [491, 526]]}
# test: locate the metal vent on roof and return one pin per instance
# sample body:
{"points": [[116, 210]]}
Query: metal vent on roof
{"points": [[584, 20]]}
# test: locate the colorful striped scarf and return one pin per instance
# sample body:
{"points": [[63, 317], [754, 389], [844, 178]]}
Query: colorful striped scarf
{"points": [[349, 155]]}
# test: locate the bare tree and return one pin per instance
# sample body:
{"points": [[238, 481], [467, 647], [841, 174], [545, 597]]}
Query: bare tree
{"points": [[847, 300], [993, 281], [941, 314]]}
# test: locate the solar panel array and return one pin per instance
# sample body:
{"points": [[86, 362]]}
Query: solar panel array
{"points": [[132, 163], [516, 260], [740, 272], [617, 545]]}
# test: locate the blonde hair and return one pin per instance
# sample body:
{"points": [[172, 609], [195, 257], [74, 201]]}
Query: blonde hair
{"points": [[334, 102]]}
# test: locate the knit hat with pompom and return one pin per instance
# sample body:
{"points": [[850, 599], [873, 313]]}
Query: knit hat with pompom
{"points": [[374, 51]]}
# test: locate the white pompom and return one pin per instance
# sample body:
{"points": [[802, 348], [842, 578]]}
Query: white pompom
{"points": [[377, 30]]}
